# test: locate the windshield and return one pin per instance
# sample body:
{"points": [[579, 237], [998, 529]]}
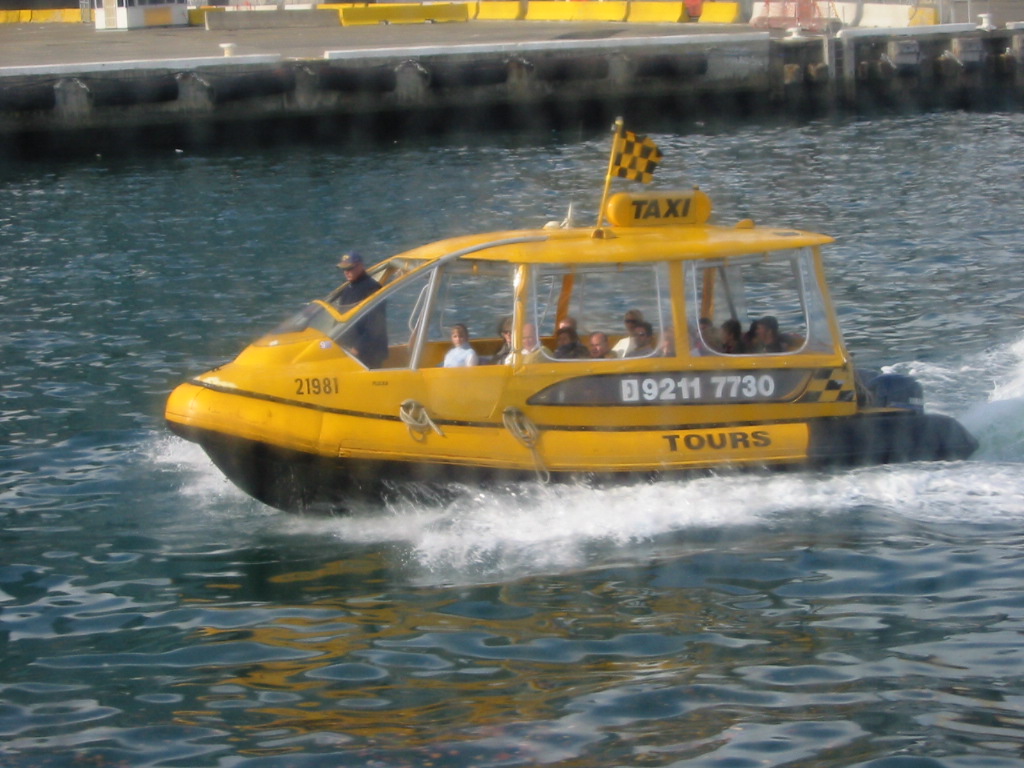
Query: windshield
{"points": [[317, 314]]}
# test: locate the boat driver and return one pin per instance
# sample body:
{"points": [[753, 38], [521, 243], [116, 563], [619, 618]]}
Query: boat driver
{"points": [[359, 285], [368, 338]]}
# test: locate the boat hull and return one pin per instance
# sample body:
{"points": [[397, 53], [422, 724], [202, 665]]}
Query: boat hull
{"points": [[297, 481]]}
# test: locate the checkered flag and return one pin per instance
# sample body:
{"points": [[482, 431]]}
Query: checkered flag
{"points": [[636, 159]]}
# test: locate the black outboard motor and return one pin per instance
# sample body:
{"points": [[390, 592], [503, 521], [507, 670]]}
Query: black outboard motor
{"points": [[905, 433], [892, 390]]}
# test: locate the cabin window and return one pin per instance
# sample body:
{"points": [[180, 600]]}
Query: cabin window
{"points": [[597, 298], [777, 291], [477, 294], [420, 311]]}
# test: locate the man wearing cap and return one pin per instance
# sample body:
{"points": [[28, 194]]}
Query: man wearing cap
{"points": [[359, 285], [368, 338]]}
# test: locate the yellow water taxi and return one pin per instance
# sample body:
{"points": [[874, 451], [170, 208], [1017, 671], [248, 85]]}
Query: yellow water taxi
{"points": [[587, 352]]}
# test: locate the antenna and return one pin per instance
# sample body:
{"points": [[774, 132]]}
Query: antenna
{"points": [[565, 223]]}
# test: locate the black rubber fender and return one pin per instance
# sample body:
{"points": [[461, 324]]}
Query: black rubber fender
{"points": [[888, 438]]}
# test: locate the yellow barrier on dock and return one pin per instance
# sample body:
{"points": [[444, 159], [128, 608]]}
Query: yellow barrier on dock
{"points": [[404, 13], [548, 10], [656, 12], [42, 16], [197, 16], [560, 10], [500, 10], [339, 7], [923, 17], [718, 12], [366, 13], [607, 10]]}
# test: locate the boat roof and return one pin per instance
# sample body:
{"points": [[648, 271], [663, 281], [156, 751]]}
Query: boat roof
{"points": [[630, 238], [619, 245]]}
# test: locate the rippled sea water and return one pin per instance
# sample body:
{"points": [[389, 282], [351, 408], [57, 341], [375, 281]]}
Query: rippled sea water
{"points": [[152, 615]]}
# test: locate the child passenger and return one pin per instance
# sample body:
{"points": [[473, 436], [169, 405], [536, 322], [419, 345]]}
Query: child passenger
{"points": [[461, 354]]}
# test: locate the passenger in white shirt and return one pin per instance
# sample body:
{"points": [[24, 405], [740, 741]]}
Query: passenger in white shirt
{"points": [[461, 355], [625, 346]]}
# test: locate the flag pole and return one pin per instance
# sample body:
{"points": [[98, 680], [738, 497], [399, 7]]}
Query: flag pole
{"points": [[608, 176]]}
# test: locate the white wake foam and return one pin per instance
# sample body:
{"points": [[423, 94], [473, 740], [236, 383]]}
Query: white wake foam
{"points": [[494, 535], [998, 422], [482, 533], [198, 478]]}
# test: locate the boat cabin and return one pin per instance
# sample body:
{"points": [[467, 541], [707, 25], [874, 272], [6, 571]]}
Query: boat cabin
{"points": [[685, 281]]}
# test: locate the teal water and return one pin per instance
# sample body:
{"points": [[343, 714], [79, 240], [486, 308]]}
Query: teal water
{"points": [[152, 615]]}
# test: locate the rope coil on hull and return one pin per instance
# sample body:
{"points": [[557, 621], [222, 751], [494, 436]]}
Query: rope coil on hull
{"points": [[414, 415], [527, 433]]}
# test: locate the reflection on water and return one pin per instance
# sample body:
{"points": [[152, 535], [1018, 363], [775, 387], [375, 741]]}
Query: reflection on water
{"points": [[837, 627], [151, 614]]}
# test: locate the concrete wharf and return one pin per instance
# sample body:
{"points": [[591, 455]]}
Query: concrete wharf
{"points": [[57, 79]]}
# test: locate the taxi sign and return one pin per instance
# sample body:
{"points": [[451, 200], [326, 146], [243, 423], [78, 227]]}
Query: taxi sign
{"points": [[658, 209]]}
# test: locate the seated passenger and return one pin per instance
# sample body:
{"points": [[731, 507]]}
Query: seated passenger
{"points": [[643, 340], [732, 337], [781, 342], [567, 345], [751, 342], [599, 348], [531, 344], [461, 355], [768, 334], [505, 333], [624, 346], [667, 344]]}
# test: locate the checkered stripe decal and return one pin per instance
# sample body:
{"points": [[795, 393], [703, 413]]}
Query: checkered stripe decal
{"points": [[830, 385]]}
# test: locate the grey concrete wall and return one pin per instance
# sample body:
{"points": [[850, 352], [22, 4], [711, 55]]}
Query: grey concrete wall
{"points": [[914, 67], [271, 19], [968, 11]]}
